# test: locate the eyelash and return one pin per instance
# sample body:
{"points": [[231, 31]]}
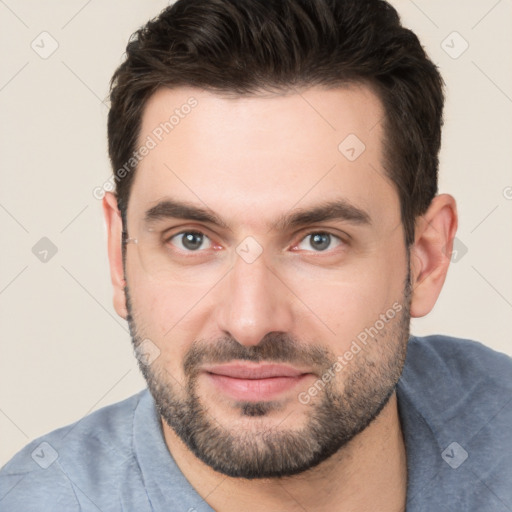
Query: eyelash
{"points": [[341, 241]]}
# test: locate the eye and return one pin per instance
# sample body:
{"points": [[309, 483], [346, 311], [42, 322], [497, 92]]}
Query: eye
{"points": [[190, 241], [319, 241]]}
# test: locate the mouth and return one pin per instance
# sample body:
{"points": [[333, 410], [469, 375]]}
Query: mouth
{"points": [[254, 381]]}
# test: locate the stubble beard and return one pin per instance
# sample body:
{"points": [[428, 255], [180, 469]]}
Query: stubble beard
{"points": [[267, 450]]}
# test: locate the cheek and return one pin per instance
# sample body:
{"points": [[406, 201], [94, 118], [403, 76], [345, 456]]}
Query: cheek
{"points": [[343, 310], [170, 315], [344, 303]]}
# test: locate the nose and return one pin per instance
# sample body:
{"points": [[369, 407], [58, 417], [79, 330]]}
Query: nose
{"points": [[254, 302]]}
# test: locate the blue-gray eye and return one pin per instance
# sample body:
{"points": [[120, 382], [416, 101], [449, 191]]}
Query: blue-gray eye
{"points": [[191, 241], [319, 241]]}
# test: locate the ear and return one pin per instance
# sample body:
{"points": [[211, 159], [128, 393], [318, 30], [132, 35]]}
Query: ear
{"points": [[431, 253], [114, 226]]}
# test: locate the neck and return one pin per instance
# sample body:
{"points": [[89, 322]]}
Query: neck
{"points": [[369, 473]]}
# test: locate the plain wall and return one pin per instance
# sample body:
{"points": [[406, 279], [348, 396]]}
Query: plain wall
{"points": [[64, 351]]}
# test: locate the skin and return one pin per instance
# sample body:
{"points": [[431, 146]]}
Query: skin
{"points": [[251, 160]]}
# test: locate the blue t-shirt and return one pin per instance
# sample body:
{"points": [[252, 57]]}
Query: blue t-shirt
{"points": [[455, 406]]}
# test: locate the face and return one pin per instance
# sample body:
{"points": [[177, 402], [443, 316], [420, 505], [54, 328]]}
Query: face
{"points": [[267, 274]]}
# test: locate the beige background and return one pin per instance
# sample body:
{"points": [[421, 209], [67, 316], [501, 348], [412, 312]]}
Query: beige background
{"points": [[64, 351]]}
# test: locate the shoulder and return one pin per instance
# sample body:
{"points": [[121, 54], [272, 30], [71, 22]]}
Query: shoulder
{"points": [[458, 383], [44, 475], [458, 360], [455, 401], [450, 377]]}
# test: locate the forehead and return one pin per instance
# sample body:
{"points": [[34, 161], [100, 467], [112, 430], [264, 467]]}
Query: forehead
{"points": [[251, 158]]}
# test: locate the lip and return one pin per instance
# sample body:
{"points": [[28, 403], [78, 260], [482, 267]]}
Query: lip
{"points": [[254, 371], [253, 381]]}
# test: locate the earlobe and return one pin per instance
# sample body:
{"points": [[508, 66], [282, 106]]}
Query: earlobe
{"points": [[431, 252], [114, 226]]}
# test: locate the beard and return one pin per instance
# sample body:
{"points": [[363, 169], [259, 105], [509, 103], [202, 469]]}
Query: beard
{"points": [[332, 420]]}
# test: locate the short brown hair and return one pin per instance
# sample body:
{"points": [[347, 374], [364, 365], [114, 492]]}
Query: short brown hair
{"points": [[245, 46]]}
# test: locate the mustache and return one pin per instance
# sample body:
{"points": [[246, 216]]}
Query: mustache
{"points": [[274, 347]]}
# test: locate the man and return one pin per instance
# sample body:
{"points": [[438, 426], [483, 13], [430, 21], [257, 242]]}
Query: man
{"points": [[275, 225]]}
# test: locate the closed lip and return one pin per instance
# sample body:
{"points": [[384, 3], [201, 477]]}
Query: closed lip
{"points": [[254, 371]]}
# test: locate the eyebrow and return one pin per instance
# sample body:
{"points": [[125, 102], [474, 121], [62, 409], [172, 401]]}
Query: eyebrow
{"points": [[171, 209], [339, 209]]}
